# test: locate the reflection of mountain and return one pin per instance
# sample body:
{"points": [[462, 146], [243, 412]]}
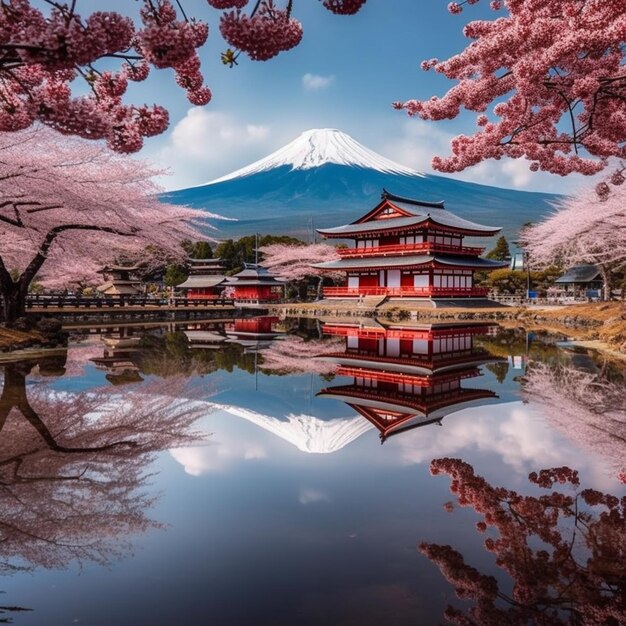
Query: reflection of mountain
{"points": [[308, 433], [405, 376]]}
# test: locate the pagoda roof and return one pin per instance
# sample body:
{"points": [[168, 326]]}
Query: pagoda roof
{"points": [[411, 261], [119, 289], [253, 275], [204, 338], [395, 213], [199, 281], [579, 274], [211, 261], [434, 406], [402, 423], [416, 365], [119, 268]]}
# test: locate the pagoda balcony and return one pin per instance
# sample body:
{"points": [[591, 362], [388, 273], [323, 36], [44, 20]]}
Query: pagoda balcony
{"points": [[408, 248], [406, 292]]}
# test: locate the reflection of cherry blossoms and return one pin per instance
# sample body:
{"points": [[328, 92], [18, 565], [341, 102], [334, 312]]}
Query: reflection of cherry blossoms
{"points": [[294, 355], [586, 407], [564, 551], [72, 468]]}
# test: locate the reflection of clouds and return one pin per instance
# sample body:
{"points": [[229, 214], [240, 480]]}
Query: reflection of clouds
{"points": [[217, 454], [515, 432], [310, 496]]}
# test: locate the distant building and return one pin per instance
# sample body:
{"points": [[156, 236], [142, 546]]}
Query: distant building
{"points": [[122, 281], [255, 285], [206, 279], [581, 280], [408, 248], [517, 262]]}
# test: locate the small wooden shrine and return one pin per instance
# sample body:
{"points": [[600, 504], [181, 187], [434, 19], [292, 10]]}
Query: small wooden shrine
{"points": [[122, 281], [119, 358], [405, 377], [255, 285], [206, 279], [406, 248]]}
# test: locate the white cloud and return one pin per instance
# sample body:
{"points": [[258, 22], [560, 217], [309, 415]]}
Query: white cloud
{"points": [[315, 82], [419, 141], [310, 496], [216, 455], [515, 432], [207, 144]]}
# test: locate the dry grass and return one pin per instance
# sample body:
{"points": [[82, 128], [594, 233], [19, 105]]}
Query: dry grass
{"points": [[11, 338]]}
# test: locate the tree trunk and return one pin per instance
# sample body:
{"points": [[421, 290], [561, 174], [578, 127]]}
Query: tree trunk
{"points": [[13, 302], [320, 283], [607, 285]]}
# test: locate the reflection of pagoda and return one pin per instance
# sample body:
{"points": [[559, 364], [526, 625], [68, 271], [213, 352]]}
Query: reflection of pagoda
{"points": [[122, 281], [206, 279], [404, 377], [119, 355], [203, 336], [255, 285], [253, 332]]}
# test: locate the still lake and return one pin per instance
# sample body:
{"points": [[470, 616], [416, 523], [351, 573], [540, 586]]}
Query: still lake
{"points": [[267, 472]]}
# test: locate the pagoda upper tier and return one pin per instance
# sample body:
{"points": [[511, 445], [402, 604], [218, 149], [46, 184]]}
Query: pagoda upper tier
{"points": [[409, 248]]}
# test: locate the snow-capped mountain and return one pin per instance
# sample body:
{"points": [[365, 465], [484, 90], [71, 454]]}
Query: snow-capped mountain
{"points": [[325, 178], [307, 433], [317, 147]]}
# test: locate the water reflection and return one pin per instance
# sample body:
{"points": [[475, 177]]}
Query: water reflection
{"points": [[583, 400], [405, 377], [290, 502], [73, 466], [563, 550]]}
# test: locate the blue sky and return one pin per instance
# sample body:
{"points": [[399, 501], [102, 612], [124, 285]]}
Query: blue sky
{"points": [[345, 74]]}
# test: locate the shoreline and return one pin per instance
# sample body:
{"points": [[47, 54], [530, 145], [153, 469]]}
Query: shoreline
{"points": [[600, 326]]}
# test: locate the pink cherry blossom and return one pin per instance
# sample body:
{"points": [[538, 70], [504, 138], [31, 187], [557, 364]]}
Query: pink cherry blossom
{"points": [[42, 54], [68, 206], [549, 75], [589, 227]]}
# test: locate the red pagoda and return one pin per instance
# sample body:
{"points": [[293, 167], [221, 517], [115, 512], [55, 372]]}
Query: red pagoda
{"points": [[254, 285], [409, 249], [405, 377], [206, 279]]}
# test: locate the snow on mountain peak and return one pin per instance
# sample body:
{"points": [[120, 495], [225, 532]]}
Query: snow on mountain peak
{"points": [[317, 147]]}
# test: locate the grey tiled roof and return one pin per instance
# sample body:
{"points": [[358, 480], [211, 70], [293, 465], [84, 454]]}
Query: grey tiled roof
{"points": [[199, 282], [254, 275], [418, 215], [406, 261], [579, 274]]}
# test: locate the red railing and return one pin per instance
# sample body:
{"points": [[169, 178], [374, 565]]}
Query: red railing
{"points": [[405, 292], [400, 377], [408, 248]]}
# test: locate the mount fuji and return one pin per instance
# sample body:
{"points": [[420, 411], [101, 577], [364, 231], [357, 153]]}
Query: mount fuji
{"points": [[326, 178]]}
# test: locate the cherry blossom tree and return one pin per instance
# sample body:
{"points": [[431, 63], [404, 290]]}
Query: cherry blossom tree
{"points": [[588, 227], [564, 551], [548, 81], [74, 467], [68, 205], [587, 407], [43, 54], [294, 263]]}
